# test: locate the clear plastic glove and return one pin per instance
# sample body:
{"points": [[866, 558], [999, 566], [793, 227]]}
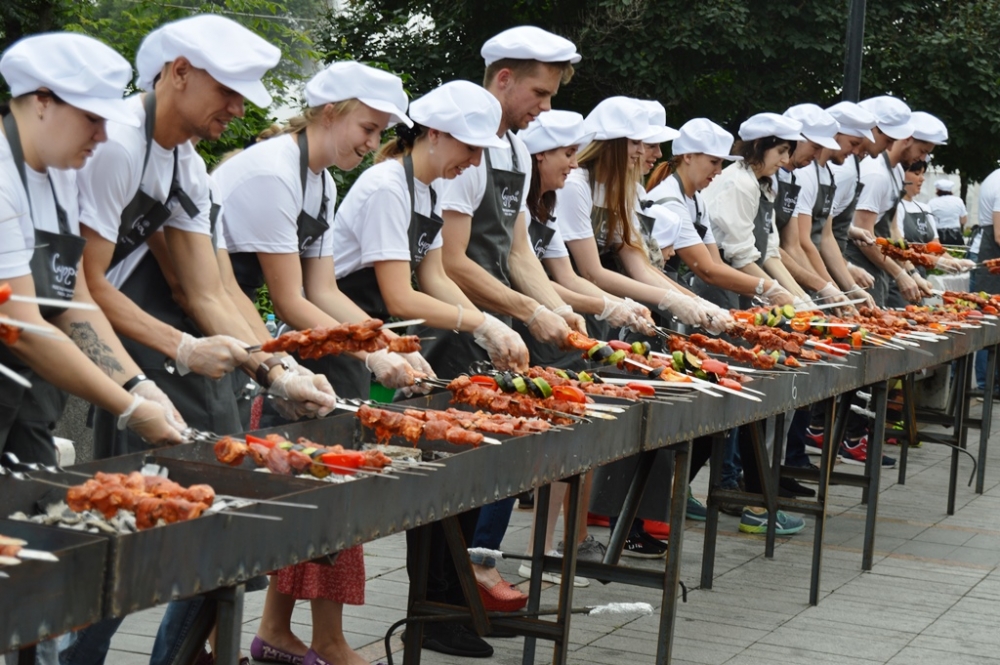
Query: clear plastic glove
{"points": [[422, 369], [688, 310], [907, 287], [777, 295], [213, 356], [926, 288], [861, 277], [390, 369], [859, 236], [149, 420], [572, 319], [150, 391], [856, 292], [719, 319], [830, 293], [951, 265], [314, 393], [616, 312], [803, 304], [506, 348], [548, 327]]}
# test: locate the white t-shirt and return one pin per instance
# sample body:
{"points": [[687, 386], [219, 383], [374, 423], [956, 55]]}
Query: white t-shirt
{"points": [[111, 178], [260, 192], [373, 221], [464, 193], [845, 177], [948, 211], [805, 178], [574, 205], [733, 199], [989, 198], [915, 207], [16, 232], [881, 188], [686, 210], [219, 237]]}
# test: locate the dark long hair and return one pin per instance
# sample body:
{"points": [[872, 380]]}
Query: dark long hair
{"points": [[540, 204], [753, 152]]}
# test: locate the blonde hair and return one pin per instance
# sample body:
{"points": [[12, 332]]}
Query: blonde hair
{"points": [[607, 164], [316, 114]]}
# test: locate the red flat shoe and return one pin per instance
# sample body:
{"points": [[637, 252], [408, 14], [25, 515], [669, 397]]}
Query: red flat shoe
{"points": [[659, 530], [502, 597], [593, 519]]}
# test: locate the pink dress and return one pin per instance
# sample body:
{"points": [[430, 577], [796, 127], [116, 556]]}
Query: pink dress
{"points": [[343, 582]]}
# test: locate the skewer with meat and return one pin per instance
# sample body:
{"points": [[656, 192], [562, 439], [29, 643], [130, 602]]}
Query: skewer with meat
{"points": [[346, 338], [900, 254], [465, 391], [157, 498], [10, 547], [283, 457], [388, 424]]}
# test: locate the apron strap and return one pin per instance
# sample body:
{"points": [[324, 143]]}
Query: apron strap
{"points": [[303, 142], [149, 105], [408, 171], [513, 152]]}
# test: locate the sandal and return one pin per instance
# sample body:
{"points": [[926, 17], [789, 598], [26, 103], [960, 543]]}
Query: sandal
{"points": [[502, 597]]}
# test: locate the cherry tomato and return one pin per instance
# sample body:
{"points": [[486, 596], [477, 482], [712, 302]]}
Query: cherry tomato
{"points": [[792, 361], [934, 247], [619, 345], [345, 460], [713, 366], [839, 331], [487, 381], [799, 325], [579, 341], [569, 394], [731, 384], [642, 388], [990, 309]]}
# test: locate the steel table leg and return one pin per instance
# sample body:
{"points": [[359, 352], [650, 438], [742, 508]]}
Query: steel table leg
{"points": [[413, 642], [909, 423], [463, 567], [560, 651], [712, 508], [879, 391], [228, 620], [630, 507], [537, 552], [672, 570], [26, 656], [825, 465], [768, 486], [961, 404], [777, 456], [986, 421]]}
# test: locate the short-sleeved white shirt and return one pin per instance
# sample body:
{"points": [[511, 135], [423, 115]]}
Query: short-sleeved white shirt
{"points": [[16, 232], [948, 211], [733, 199], [686, 209], [915, 207], [989, 198], [881, 187], [574, 205], [464, 193], [260, 192], [845, 177], [111, 178], [373, 221], [805, 178]]}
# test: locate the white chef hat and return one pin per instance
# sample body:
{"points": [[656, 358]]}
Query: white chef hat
{"points": [[526, 42], [618, 118], [927, 127], [556, 129], [351, 80], [944, 185], [234, 56], [467, 111], [853, 120], [80, 70], [818, 126], [659, 132], [763, 125], [701, 135], [892, 116], [664, 219]]}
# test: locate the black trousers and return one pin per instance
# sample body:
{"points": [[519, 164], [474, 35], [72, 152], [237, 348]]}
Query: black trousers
{"points": [[442, 576]]}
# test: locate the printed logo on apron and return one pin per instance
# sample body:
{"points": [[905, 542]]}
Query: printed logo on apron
{"points": [[541, 235], [788, 197], [511, 200]]}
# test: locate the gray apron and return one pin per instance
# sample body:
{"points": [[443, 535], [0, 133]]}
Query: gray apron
{"points": [[916, 228], [822, 205], [452, 353], [880, 291], [843, 221], [206, 404], [28, 415], [761, 233], [988, 249], [785, 202], [540, 234]]}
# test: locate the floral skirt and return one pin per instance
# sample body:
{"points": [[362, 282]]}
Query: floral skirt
{"points": [[343, 582]]}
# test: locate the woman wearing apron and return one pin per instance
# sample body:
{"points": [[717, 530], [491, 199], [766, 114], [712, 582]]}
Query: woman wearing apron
{"points": [[54, 121], [277, 207]]}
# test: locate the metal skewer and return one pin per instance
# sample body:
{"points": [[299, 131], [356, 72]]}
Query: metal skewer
{"points": [[55, 302], [41, 331]]}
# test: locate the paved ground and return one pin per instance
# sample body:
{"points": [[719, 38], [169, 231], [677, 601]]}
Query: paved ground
{"points": [[932, 596]]}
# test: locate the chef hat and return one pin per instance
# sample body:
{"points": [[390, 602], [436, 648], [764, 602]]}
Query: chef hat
{"points": [[770, 124], [664, 219], [556, 129], [892, 116], [659, 132], [944, 185], [234, 56], [618, 118], [818, 126], [468, 112], [80, 70], [853, 120], [526, 42], [701, 135], [927, 127], [351, 80]]}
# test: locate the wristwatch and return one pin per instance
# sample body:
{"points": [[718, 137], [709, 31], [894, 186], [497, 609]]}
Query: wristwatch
{"points": [[760, 287], [264, 369]]}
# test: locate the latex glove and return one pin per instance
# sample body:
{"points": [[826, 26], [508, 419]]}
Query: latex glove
{"points": [[719, 319], [149, 420], [150, 391], [616, 312], [859, 236], [572, 319], [907, 287], [926, 288], [830, 293], [856, 292], [390, 369], [951, 265], [861, 277], [688, 310], [213, 356], [314, 393], [506, 348], [548, 327], [803, 304], [777, 295], [422, 369], [628, 312]]}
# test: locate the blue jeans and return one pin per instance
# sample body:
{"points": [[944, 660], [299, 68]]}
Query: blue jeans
{"points": [[732, 465], [90, 645], [492, 524], [795, 447], [177, 622]]}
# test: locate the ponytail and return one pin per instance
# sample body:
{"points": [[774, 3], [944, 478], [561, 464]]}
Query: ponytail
{"points": [[402, 145], [660, 173]]}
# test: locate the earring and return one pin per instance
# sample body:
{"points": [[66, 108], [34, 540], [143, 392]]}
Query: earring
{"points": [[431, 151]]}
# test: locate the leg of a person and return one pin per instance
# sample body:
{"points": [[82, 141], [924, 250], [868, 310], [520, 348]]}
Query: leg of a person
{"points": [[177, 622], [857, 425], [492, 524], [276, 623], [981, 369], [556, 492], [328, 589], [751, 478], [328, 634], [701, 452], [795, 447], [581, 522], [90, 645]]}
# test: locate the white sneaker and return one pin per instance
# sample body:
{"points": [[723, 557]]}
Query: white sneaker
{"points": [[551, 578]]}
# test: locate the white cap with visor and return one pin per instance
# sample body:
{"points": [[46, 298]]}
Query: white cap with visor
{"points": [[376, 88], [526, 42], [892, 116], [762, 125], [556, 129], [853, 120], [469, 112], [930, 128], [818, 126], [701, 135]]}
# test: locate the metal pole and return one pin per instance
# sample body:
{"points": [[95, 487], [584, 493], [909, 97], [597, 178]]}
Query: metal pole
{"points": [[855, 43]]}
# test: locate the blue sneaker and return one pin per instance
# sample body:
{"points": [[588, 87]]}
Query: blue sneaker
{"points": [[696, 510], [756, 522]]}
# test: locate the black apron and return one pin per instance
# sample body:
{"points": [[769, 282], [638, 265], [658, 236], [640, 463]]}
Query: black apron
{"points": [[880, 291], [988, 249], [916, 228], [951, 236], [451, 353], [785, 202], [28, 415], [822, 205], [206, 404], [843, 221], [761, 233], [540, 235]]}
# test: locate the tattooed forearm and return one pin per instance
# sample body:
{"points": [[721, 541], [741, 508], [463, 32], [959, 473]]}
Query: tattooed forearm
{"points": [[85, 337]]}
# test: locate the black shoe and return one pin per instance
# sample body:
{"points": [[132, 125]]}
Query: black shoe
{"points": [[455, 640], [731, 509], [496, 631], [644, 546], [526, 501], [789, 487]]}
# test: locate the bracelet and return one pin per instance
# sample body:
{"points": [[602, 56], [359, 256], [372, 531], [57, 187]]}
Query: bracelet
{"points": [[461, 312], [264, 369], [134, 381]]}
